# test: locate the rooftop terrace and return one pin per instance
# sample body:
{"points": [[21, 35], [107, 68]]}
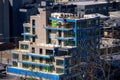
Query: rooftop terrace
{"points": [[72, 16]]}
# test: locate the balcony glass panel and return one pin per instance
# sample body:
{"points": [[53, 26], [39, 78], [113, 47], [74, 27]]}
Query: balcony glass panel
{"points": [[69, 34], [25, 65], [69, 43], [24, 46], [15, 56], [33, 59], [27, 38], [24, 57], [59, 62], [49, 52], [33, 50], [59, 70], [15, 64], [27, 29]]}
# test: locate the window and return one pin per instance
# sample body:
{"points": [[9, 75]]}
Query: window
{"points": [[24, 46], [24, 57], [33, 39], [60, 42], [79, 34], [15, 56], [59, 34], [90, 23], [97, 22], [33, 50], [25, 65], [41, 60], [69, 43], [33, 22], [97, 31], [84, 23], [15, 64], [33, 59], [27, 29], [40, 68], [60, 62], [49, 52], [83, 10], [79, 43], [33, 30], [27, 38], [33, 66], [79, 25], [59, 70], [88, 43], [49, 61], [40, 51], [69, 25], [69, 34], [89, 33]]}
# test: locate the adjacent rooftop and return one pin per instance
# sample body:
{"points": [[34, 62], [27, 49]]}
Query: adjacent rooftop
{"points": [[87, 2]]}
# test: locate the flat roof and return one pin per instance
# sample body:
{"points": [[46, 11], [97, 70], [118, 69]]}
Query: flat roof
{"points": [[108, 43], [110, 57], [87, 2], [115, 13], [57, 15], [98, 14]]}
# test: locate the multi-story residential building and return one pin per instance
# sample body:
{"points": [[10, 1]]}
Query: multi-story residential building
{"points": [[55, 46]]}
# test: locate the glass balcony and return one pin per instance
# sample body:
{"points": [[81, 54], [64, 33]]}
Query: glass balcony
{"points": [[68, 38], [58, 28], [37, 64], [28, 34], [39, 56]]}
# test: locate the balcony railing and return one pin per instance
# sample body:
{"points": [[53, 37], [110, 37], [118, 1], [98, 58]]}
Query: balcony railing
{"points": [[59, 27], [39, 56], [29, 34], [37, 64]]}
